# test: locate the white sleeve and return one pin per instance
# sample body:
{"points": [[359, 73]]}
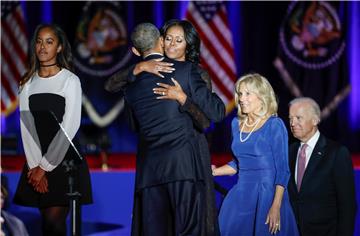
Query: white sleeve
{"points": [[29, 135], [71, 123]]}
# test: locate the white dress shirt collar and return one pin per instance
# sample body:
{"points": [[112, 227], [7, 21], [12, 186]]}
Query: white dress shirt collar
{"points": [[311, 145], [153, 53], [313, 140]]}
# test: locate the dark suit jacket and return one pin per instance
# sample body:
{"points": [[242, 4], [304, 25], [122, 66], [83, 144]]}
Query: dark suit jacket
{"points": [[326, 203], [169, 149]]}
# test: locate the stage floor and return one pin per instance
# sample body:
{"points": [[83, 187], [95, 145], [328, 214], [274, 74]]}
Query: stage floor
{"points": [[110, 214]]}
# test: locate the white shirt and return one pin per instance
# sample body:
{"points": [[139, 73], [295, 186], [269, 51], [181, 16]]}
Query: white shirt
{"points": [[310, 148], [153, 53], [65, 84]]}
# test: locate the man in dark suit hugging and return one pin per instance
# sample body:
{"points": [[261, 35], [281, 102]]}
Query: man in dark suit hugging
{"points": [[169, 178]]}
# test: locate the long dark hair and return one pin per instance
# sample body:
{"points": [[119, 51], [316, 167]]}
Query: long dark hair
{"points": [[192, 38], [63, 58]]}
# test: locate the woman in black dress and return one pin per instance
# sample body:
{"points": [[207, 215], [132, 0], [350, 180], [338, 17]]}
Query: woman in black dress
{"points": [[181, 43], [50, 112]]}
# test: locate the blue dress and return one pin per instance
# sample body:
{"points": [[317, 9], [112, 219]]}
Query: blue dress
{"points": [[262, 163]]}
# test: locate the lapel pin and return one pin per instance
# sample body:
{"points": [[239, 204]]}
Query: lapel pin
{"points": [[319, 153]]}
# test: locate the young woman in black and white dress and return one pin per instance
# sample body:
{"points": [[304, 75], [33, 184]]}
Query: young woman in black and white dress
{"points": [[50, 94]]}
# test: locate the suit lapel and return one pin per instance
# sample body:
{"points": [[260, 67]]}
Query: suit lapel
{"points": [[292, 160], [316, 157]]}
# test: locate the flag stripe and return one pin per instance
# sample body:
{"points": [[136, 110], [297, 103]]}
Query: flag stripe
{"points": [[7, 86], [225, 32], [19, 16], [219, 54], [10, 78], [225, 28], [10, 39], [217, 51], [14, 45], [207, 34], [221, 37], [9, 62], [6, 100], [215, 78], [221, 22], [221, 76], [20, 30]]}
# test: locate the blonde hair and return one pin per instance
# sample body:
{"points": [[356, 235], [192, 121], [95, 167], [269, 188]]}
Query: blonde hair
{"points": [[261, 87]]}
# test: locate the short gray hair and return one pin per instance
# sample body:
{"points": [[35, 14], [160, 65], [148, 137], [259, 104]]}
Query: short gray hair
{"points": [[144, 37], [315, 109]]}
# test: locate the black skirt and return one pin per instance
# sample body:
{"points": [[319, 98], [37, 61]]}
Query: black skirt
{"points": [[47, 111], [58, 186]]}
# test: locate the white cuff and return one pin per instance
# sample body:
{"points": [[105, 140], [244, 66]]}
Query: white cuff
{"points": [[45, 165]]}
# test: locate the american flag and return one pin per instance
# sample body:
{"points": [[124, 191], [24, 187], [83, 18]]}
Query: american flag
{"points": [[14, 48], [217, 50]]}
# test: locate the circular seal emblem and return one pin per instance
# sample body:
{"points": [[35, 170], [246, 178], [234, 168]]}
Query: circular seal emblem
{"points": [[311, 35], [101, 46]]}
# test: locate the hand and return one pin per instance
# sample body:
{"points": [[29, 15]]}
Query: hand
{"points": [[213, 167], [42, 187], [2, 221], [171, 92], [154, 66], [273, 219], [35, 175], [29, 173]]}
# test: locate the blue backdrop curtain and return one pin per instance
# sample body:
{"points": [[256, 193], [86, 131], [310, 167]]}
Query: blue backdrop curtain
{"points": [[255, 27]]}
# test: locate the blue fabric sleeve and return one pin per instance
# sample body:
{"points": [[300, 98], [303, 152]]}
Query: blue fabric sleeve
{"points": [[279, 147], [233, 164]]}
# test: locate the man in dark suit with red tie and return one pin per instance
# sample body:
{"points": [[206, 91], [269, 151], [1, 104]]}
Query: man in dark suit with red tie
{"points": [[169, 178], [321, 186]]}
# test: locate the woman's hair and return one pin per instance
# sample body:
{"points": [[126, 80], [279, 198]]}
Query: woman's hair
{"points": [[192, 38], [261, 87], [63, 58]]}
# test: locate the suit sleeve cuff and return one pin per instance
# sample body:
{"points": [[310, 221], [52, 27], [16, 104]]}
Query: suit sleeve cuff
{"points": [[186, 106]]}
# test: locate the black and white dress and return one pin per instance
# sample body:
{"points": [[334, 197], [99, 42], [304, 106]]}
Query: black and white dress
{"points": [[44, 103]]}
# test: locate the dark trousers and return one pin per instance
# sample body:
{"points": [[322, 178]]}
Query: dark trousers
{"points": [[173, 209]]}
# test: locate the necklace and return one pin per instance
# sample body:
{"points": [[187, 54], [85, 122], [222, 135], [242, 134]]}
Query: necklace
{"points": [[49, 65], [252, 130]]}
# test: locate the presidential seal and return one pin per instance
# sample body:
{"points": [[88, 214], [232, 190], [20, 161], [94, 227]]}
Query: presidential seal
{"points": [[101, 43], [311, 35]]}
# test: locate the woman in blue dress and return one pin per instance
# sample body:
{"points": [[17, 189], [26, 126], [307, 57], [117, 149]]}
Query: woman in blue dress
{"points": [[258, 204]]}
